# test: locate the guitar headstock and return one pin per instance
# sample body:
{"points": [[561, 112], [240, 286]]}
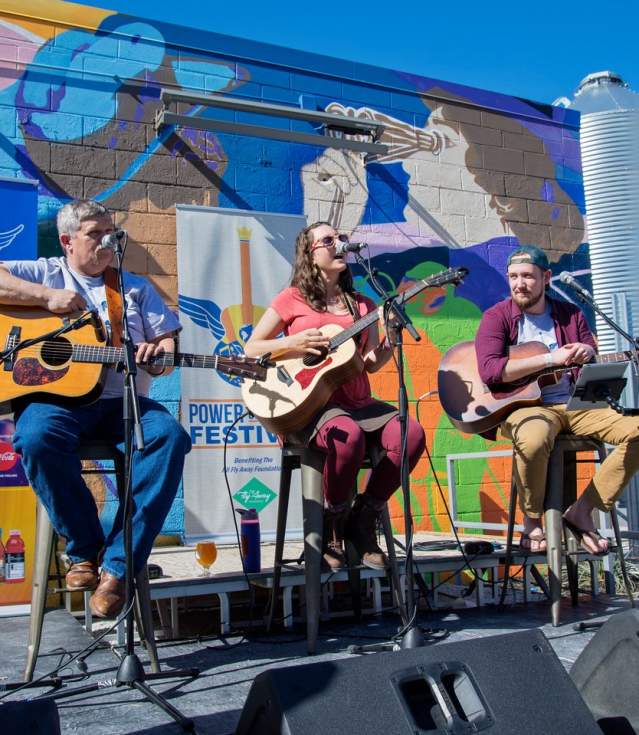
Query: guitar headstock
{"points": [[451, 275], [242, 366]]}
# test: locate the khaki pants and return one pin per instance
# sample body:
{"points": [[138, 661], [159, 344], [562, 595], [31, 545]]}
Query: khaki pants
{"points": [[533, 431]]}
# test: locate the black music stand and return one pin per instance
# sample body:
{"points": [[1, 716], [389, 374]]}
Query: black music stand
{"points": [[599, 385]]}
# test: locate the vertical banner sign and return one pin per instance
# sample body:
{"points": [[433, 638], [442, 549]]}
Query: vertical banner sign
{"points": [[18, 241], [230, 265], [18, 219]]}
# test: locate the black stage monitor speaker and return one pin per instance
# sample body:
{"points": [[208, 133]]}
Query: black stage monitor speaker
{"points": [[37, 717], [607, 674], [504, 685]]}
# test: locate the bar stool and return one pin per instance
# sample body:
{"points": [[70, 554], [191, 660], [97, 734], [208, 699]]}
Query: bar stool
{"points": [[311, 464], [561, 492], [45, 538]]}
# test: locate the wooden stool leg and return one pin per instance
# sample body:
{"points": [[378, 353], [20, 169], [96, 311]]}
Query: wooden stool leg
{"points": [[39, 585], [144, 618], [620, 556], [312, 464], [280, 534], [512, 507], [393, 570], [553, 527]]}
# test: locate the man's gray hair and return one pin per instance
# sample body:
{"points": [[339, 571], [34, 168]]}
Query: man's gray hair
{"points": [[72, 214]]}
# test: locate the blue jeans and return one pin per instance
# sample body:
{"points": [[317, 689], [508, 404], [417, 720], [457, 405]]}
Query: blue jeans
{"points": [[47, 436]]}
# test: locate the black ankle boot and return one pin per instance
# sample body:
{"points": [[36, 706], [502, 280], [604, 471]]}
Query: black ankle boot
{"points": [[361, 531]]}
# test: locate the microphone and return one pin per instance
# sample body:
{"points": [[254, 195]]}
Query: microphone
{"points": [[110, 241], [349, 247], [569, 280]]}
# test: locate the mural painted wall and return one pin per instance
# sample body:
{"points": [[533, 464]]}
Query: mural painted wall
{"points": [[468, 175]]}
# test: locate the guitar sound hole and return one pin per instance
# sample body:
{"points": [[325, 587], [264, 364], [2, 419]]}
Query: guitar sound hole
{"points": [[56, 352], [310, 360]]}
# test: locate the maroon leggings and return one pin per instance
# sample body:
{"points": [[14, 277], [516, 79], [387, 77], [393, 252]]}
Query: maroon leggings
{"points": [[345, 445]]}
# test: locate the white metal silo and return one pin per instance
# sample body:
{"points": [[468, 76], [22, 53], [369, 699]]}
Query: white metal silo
{"points": [[610, 163]]}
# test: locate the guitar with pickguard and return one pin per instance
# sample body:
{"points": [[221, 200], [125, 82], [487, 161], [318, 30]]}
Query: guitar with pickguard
{"points": [[71, 363], [296, 388]]}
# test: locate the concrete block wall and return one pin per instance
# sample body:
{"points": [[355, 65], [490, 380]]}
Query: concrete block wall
{"points": [[469, 174]]}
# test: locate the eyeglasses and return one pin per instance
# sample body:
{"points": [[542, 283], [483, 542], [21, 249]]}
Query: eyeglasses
{"points": [[328, 241]]}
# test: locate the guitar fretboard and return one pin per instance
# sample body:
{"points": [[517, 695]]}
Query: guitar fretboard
{"points": [[608, 357], [452, 275], [114, 355]]}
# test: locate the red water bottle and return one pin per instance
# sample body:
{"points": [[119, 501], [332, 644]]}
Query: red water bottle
{"points": [[14, 558]]}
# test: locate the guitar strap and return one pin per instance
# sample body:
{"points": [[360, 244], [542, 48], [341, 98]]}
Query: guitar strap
{"points": [[354, 311], [114, 305]]}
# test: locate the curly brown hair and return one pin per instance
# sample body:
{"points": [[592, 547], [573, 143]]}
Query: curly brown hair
{"points": [[306, 275]]}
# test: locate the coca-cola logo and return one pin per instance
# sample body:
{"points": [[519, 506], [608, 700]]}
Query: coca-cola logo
{"points": [[8, 457]]}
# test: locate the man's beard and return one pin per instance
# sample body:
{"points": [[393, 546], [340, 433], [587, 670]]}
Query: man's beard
{"points": [[527, 301]]}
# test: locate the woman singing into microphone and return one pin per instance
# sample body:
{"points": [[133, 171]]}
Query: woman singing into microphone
{"points": [[322, 292]]}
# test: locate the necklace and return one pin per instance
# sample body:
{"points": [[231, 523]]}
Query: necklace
{"points": [[332, 300]]}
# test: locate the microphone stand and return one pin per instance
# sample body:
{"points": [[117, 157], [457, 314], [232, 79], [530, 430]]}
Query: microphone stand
{"points": [[130, 672], [411, 633], [587, 298]]}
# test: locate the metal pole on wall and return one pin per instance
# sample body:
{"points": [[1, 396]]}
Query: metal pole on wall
{"points": [[621, 314]]}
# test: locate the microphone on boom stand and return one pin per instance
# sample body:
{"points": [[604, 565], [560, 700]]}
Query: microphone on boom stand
{"points": [[569, 280]]}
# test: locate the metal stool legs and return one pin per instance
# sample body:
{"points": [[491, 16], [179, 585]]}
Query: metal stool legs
{"points": [[282, 512], [508, 558], [45, 536], [553, 524], [311, 465], [40, 580]]}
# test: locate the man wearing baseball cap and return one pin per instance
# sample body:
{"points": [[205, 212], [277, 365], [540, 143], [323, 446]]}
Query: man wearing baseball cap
{"points": [[530, 315]]}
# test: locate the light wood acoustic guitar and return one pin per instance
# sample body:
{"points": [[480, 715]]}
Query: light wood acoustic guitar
{"points": [[299, 385], [472, 407], [71, 367]]}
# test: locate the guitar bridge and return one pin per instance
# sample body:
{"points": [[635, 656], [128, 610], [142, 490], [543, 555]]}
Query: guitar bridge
{"points": [[12, 340], [284, 376]]}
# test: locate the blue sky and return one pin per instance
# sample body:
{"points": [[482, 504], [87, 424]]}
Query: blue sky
{"points": [[537, 50]]}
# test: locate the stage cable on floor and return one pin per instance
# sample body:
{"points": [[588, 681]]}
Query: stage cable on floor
{"points": [[80, 656]]}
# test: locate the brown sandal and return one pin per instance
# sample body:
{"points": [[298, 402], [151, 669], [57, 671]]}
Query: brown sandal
{"points": [[593, 534], [525, 537]]}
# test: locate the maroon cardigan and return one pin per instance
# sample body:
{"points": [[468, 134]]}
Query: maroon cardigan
{"points": [[499, 327]]}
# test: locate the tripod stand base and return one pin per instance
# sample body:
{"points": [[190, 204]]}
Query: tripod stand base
{"points": [[413, 638], [131, 667], [130, 670]]}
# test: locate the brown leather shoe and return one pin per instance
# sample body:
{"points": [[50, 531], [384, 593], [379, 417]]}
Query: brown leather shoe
{"points": [[108, 599], [82, 575]]}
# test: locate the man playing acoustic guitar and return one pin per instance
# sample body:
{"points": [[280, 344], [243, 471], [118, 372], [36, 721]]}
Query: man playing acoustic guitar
{"points": [[48, 434], [529, 315]]}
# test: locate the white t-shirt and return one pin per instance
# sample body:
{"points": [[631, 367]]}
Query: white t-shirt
{"points": [[541, 328], [148, 315]]}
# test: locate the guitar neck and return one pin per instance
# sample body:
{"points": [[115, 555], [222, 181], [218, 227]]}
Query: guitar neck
{"points": [[114, 355], [449, 276], [604, 358]]}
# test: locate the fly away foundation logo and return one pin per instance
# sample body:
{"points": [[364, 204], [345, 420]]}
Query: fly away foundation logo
{"points": [[255, 494]]}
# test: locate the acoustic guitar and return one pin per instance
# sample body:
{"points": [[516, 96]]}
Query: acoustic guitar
{"points": [[298, 386], [71, 367], [472, 407]]}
